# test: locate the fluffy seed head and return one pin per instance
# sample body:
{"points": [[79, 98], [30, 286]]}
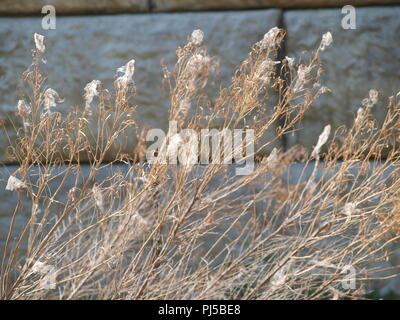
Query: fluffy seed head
{"points": [[91, 90], [98, 197], [14, 184], [23, 109], [197, 37], [290, 61], [39, 43], [371, 100], [350, 209], [196, 63], [373, 96], [326, 41], [128, 70], [51, 99], [269, 39], [360, 115], [322, 139], [272, 160]]}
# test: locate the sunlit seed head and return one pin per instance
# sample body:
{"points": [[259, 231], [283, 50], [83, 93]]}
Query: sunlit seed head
{"points": [[39, 43], [373, 96], [269, 39], [51, 99], [91, 90], [322, 139], [197, 37], [371, 100], [196, 63], [128, 70], [360, 115], [272, 161], [14, 184], [290, 61], [327, 39], [23, 109], [98, 197]]}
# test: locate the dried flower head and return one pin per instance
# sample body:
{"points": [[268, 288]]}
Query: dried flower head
{"points": [[266, 70], [196, 63], [49, 272], [272, 160], [23, 109], [280, 277], [360, 115], [127, 78], [39, 43], [371, 100], [302, 73], [323, 90], [51, 99], [14, 184], [350, 209], [38, 266], [326, 41], [269, 39], [98, 197], [71, 193], [322, 139], [91, 90], [373, 96], [197, 37], [290, 61]]}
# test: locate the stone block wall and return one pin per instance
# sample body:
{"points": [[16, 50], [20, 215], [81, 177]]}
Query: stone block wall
{"points": [[34, 7], [95, 37]]}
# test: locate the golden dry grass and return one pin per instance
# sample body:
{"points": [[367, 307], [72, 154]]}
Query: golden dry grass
{"points": [[200, 232]]}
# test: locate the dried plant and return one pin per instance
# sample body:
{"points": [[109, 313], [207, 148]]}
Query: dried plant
{"points": [[162, 231]]}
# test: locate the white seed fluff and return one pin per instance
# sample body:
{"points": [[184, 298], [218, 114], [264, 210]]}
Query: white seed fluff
{"points": [[51, 98], [327, 39], [269, 38], [128, 70], [23, 108], [39, 42], [290, 61], [322, 139], [91, 90], [14, 184], [197, 37]]}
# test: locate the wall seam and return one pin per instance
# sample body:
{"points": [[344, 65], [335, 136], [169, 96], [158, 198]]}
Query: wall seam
{"points": [[150, 6], [282, 53]]}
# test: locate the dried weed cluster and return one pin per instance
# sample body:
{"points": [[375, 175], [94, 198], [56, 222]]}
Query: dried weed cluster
{"points": [[199, 232]]}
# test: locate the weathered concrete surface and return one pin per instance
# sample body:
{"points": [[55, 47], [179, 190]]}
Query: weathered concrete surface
{"points": [[357, 61], [183, 5], [93, 47], [34, 7]]}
